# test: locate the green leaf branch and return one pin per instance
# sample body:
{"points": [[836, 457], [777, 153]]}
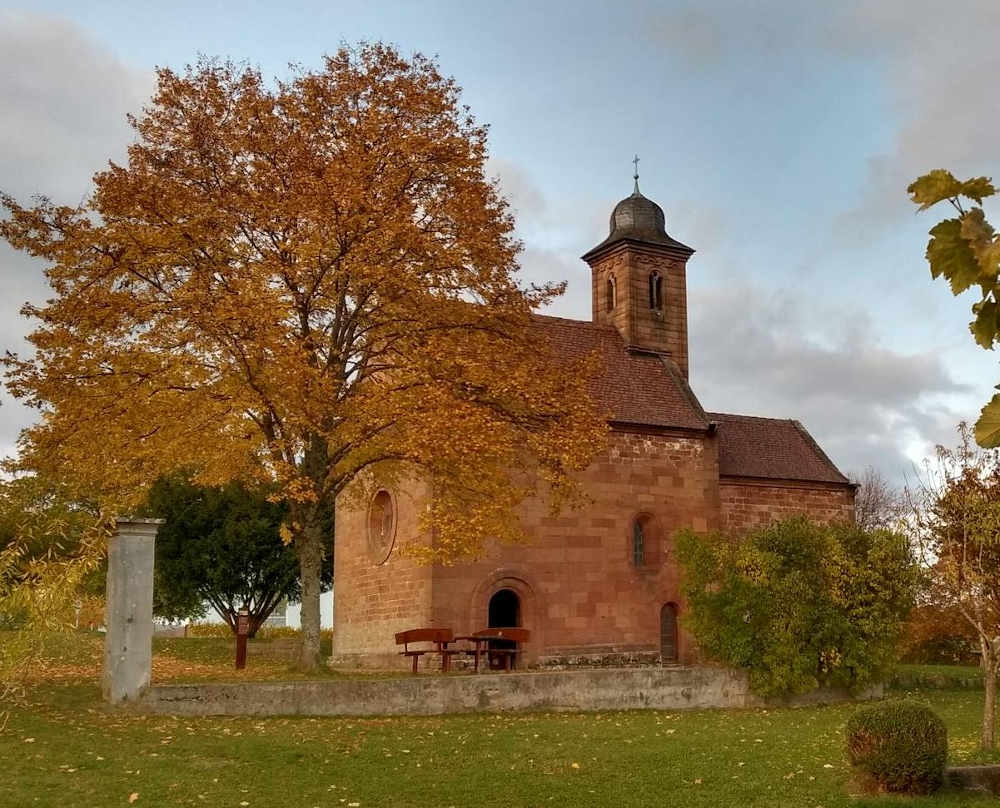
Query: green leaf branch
{"points": [[965, 251]]}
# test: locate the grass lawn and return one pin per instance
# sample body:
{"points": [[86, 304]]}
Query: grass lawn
{"points": [[76, 657], [66, 748]]}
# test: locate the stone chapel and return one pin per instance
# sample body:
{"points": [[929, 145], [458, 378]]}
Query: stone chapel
{"points": [[598, 583]]}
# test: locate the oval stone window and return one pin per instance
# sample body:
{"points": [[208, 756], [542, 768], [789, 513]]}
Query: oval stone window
{"points": [[381, 526]]}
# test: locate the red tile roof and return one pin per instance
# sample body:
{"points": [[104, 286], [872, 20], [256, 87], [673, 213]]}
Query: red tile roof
{"points": [[649, 390], [771, 448], [630, 388]]}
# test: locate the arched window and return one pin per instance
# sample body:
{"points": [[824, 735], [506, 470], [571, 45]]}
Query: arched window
{"points": [[610, 293], [639, 543], [655, 291], [381, 526]]}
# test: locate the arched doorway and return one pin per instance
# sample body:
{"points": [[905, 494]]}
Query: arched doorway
{"points": [[505, 609], [504, 612], [668, 634]]}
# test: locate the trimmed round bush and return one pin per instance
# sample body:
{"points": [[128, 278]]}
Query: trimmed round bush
{"points": [[898, 746]]}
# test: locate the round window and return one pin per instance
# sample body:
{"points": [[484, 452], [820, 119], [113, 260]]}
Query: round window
{"points": [[381, 526]]}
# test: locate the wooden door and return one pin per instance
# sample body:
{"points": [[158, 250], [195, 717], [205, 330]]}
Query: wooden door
{"points": [[668, 634]]}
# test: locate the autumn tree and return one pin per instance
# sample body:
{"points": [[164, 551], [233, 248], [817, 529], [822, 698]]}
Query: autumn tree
{"points": [[957, 524], [310, 283], [965, 251], [51, 538], [43, 519], [938, 634]]}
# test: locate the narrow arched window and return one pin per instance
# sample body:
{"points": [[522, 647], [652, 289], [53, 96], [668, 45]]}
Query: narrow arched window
{"points": [[610, 293], [638, 543], [655, 291]]}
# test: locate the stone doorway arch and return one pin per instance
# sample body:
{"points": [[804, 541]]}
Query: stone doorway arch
{"points": [[530, 609]]}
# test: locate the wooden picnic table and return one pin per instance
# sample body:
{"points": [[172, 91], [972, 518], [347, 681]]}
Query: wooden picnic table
{"points": [[482, 640]]}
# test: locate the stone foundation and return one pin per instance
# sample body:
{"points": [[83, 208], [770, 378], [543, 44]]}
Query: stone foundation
{"points": [[657, 688], [619, 659], [572, 659]]}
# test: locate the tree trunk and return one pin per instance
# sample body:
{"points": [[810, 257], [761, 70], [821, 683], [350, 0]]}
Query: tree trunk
{"points": [[309, 549], [988, 739]]}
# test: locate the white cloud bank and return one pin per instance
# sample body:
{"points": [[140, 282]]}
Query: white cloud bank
{"points": [[63, 102]]}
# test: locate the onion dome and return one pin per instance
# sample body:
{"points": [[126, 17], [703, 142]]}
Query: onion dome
{"points": [[638, 219]]}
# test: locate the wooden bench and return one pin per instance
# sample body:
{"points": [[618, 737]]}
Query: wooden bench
{"points": [[438, 637], [498, 656]]}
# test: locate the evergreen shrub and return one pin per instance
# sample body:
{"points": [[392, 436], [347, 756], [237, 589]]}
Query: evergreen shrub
{"points": [[898, 746]]}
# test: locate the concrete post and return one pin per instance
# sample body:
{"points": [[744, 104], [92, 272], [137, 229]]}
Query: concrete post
{"points": [[128, 644]]}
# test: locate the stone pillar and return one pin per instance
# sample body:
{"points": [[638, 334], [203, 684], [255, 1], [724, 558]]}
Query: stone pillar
{"points": [[128, 644]]}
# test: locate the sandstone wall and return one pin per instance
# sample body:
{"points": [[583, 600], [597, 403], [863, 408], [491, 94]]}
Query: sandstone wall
{"points": [[663, 330], [749, 503], [375, 597], [580, 591]]}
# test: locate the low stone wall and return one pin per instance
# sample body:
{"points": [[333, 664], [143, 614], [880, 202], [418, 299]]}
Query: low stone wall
{"points": [[984, 779], [580, 690]]}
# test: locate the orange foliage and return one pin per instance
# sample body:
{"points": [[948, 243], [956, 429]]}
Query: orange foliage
{"points": [[312, 283], [936, 633]]}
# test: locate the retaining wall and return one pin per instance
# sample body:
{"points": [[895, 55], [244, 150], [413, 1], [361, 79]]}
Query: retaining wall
{"points": [[579, 690]]}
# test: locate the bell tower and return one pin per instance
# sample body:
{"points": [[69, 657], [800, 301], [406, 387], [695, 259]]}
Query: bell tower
{"points": [[639, 280]]}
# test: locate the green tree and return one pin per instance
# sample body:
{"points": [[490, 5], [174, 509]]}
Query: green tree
{"points": [[797, 604], [965, 251], [222, 545]]}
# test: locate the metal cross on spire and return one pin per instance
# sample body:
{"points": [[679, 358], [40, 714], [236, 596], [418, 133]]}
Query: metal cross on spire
{"points": [[635, 162]]}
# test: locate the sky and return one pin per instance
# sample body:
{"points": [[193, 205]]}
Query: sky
{"points": [[779, 138]]}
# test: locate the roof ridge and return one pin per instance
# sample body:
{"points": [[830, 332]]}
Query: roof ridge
{"points": [[570, 321], [748, 417]]}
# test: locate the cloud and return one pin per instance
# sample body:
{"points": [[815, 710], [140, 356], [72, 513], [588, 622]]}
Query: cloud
{"points": [[771, 354], [525, 197], [695, 36], [63, 102], [547, 266], [941, 63]]}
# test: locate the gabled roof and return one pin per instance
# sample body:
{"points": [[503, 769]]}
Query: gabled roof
{"points": [[771, 448], [630, 388]]}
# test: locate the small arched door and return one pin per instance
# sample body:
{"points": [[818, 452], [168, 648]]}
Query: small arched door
{"points": [[668, 634], [505, 609], [504, 612]]}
